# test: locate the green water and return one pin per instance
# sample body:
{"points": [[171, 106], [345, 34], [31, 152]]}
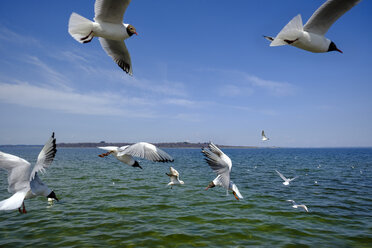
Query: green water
{"points": [[106, 203]]}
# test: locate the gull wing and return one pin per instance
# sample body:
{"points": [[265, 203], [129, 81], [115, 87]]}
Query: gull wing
{"points": [[118, 51], [219, 165], [292, 179], [13, 202], [236, 190], [304, 207], [110, 10], [19, 172], [109, 148], [45, 158], [174, 179], [263, 135], [147, 151], [281, 175], [327, 14], [173, 172]]}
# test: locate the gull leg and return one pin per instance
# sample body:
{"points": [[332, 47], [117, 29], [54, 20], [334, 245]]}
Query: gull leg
{"points": [[236, 197], [24, 208], [291, 41], [86, 37], [87, 41], [104, 154]]}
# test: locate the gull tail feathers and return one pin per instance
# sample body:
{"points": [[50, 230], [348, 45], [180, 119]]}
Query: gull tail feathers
{"points": [[13, 202], [289, 32], [79, 27]]}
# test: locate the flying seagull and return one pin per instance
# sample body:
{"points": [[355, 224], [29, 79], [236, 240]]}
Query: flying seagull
{"points": [[141, 149], [264, 138], [109, 27], [286, 180], [221, 164], [294, 205], [311, 36], [174, 177], [23, 179]]}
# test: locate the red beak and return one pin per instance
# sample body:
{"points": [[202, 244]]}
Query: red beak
{"points": [[338, 50]]}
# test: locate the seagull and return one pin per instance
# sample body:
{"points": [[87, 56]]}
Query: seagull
{"points": [[174, 177], [264, 138], [311, 36], [294, 205], [23, 179], [109, 27], [141, 149], [286, 180], [221, 164]]}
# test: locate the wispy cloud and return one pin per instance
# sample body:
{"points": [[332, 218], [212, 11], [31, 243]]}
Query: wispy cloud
{"points": [[51, 75], [231, 90], [239, 83], [274, 87], [105, 103], [11, 36], [163, 87], [180, 102]]}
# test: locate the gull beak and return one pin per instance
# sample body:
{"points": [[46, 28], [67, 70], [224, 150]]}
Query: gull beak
{"points": [[136, 33], [338, 50], [236, 197]]}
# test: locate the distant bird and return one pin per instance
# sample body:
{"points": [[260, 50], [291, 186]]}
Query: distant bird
{"points": [[311, 36], [141, 149], [294, 205], [264, 138], [174, 177], [109, 27], [23, 180], [286, 180], [221, 164]]}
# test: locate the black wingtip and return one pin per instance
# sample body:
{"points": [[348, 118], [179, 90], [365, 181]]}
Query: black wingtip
{"points": [[53, 135]]}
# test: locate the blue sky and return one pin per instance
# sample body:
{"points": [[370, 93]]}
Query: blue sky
{"points": [[202, 72]]}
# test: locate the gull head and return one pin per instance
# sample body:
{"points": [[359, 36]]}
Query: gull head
{"points": [[333, 47], [182, 182], [286, 183], [210, 185], [52, 195], [131, 30], [235, 195], [136, 164]]}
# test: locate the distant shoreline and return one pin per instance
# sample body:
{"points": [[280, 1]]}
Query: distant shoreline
{"points": [[162, 145], [182, 145]]}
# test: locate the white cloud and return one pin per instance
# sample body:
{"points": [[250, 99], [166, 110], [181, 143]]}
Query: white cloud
{"points": [[242, 79], [180, 102], [24, 94], [50, 75], [231, 90], [11, 36], [274, 87]]}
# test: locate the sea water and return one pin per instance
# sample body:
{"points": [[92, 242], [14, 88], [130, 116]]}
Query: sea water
{"points": [[104, 202]]}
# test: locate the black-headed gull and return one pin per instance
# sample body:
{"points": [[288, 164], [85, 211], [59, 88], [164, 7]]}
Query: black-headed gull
{"points": [[174, 177], [264, 138], [24, 182], [144, 150], [311, 36], [294, 205], [221, 164], [109, 27], [286, 180]]}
